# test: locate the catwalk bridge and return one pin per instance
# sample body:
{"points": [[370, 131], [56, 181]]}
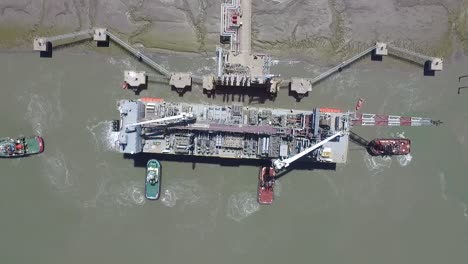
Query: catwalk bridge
{"points": [[431, 64], [182, 80], [102, 36]]}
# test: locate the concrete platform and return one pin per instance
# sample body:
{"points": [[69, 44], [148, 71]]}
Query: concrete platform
{"points": [[301, 86], [40, 44], [381, 49], [180, 80], [275, 86], [208, 82], [100, 34], [437, 64], [134, 78]]}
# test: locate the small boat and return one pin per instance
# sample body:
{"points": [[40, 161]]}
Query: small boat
{"points": [[21, 147], [153, 179], [266, 183], [389, 146]]}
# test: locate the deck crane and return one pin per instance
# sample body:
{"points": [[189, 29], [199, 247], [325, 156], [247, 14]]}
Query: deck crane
{"points": [[280, 164], [166, 120]]}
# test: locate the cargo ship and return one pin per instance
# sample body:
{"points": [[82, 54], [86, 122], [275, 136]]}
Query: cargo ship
{"points": [[266, 183], [21, 147], [389, 146], [152, 125]]}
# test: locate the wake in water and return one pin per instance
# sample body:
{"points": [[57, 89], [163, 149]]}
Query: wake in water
{"points": [[444, 192], [410, 95], [130, 193], [114, 189], [42, 112], [278, 188], [241, 205], [188, 192], [377, 164], [56, 169], [123, 64], [465, 210], [404, 160], [169, 198], [344, 83], [103, 135]]}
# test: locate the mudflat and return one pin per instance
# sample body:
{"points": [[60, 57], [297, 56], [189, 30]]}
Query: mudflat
{"points": [[324, 28]]}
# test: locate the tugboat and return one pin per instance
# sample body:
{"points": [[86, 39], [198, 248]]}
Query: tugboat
{"points": [[389, 146], [266, 182], [153, 177], [21, 147]]}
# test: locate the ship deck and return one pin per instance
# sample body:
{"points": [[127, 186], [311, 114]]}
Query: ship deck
{"points": [[231, 131]]}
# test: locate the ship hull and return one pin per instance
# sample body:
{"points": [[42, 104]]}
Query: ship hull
{"points": [[153, 186], [389, 147], [266, 182], [21, 147]]}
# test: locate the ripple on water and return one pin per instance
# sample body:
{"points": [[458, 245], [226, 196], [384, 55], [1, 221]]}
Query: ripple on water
{"points": [[41, 112], [278, 188], [123, 64], [169, 198], [129, 194], [114, 189], [56, 169], [404, 160], [241, 205], [377, 164], [188, 192], [103, 135], [444, 193], [465, 210]]}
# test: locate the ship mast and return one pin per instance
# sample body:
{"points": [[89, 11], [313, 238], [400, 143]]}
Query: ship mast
{"points": [[165, 120], [280, 164]]}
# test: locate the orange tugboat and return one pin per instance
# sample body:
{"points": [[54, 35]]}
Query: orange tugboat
{"points": [[389, 146], [266, 183]]}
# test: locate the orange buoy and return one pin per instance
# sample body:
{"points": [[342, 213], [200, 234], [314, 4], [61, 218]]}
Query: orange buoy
{"points": [[359, 104]]}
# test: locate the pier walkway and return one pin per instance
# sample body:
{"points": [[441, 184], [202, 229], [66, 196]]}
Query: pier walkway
{"points": [[132, 78], [230, 27], [303, 85], [45, 44], [139, 55]]}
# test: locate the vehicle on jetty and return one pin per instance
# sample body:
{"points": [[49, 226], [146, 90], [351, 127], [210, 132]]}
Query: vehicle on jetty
{"points": [[21, 147], [153, 179], [266, 183], [389, 146]]}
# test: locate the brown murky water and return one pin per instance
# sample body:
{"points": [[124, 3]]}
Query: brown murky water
{"points": [[80, 201]]}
